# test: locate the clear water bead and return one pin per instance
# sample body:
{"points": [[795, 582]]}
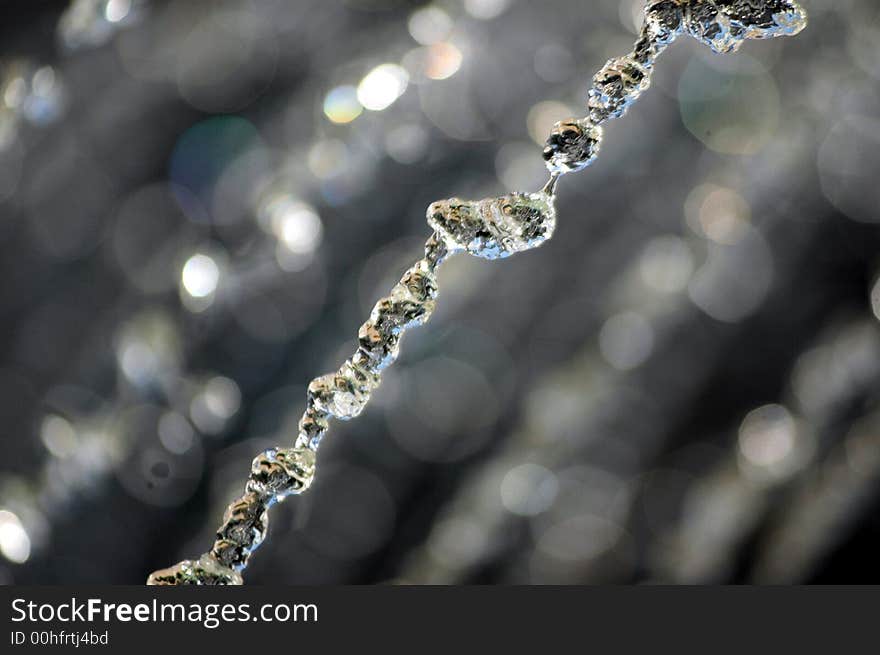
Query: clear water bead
{"points": [[618, 85], [420, 281], [646, 49], [724, 25], [204, 571], [497, 227], [312, 427], [379, 347], [400, 311], [714, 28], [343, 394], [572, 146], [664, 20], [436, 251], [281, 472], [410, 303], [244, 528]]}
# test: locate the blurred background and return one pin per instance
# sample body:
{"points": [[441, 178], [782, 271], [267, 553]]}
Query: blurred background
{"points": [[200, 202]]}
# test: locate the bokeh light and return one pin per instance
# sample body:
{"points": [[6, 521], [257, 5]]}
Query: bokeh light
{"points": [[430, 24], [341, 105], [200, 276], [15, 545], [382, 86]]}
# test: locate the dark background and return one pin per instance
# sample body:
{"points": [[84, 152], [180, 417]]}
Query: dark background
{"points": [[680, 387]]}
